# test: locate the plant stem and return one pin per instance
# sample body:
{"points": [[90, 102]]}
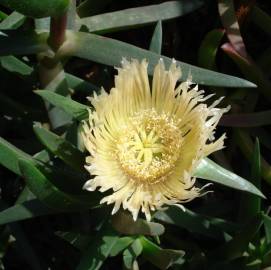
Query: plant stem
{"points": [[57, 31], [51, 73], [50, 66]]}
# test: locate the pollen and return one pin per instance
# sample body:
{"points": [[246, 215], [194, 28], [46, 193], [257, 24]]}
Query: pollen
{"points": [[148, 147]]}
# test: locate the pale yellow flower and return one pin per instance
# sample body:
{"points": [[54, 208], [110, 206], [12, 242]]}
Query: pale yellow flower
{"points": [[145, 143]]}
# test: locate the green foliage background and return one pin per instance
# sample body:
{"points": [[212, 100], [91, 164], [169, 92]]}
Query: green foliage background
{"points": [[53, 54]]}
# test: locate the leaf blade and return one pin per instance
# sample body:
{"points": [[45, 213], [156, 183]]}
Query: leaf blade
{"points": [[161, 258], [61, 148], [111, 52], [48, 193], [209, 170], [156, 41], [36, 8], [71, 107], [98, 250], [134, 17], [22, 43], [25, 210]]}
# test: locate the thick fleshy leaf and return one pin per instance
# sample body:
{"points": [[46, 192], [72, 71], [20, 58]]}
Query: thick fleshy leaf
{"points": [[195, 223], [249, 69], [56, 84], [61, 148], [261, 19], [42, 25], [156, 41], [267, 227], [22, 242], [14, 65], [71, 16], [98, 250], [209, 170], [27, 251], [10, 155], [66, 178], [209, 47], [121, 244], [78, 84], [237, 245], [49, 194], [13, 21], [26, 210], [37, 8], [246, 145], [250, 205], [131, 253], [161, 258], [111, 52], [255, 119], [71, 107], [124, 223], [230, 22], [91, 7], [25, 195], [22, 43], [139, 16], [3, 15]]}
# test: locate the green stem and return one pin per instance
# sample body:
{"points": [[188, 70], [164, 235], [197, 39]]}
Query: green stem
{"points": [[51, 71], [50, 65]]}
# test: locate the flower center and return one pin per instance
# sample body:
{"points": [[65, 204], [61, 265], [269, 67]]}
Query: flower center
{"points": [[148, 147]]}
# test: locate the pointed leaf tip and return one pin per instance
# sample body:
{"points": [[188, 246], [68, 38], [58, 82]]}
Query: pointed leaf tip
{"points": [[209, 170]]}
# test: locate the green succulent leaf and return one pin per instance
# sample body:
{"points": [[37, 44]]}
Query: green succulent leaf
{"points": [[14, 65], [209, 170], [229, 20], [161, 258], [134, 17], [261, 19], [10, 155], [195, 223], [111, 52], [267, 227], [23, 242], [131, 253], [78, 84], [26, 210], [121, 244], [49, 194], [13, 21], [124, 223], [71, 107], [98, 250], [22, 42], [209, 47], [58, 118], [250, 205], [37, 8], [156, 41], [249, 69], [61, 148], [237, 245], [91, 7]]}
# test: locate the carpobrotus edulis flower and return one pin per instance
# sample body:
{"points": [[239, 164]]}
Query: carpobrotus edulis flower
{"points": [[145, 142]]}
